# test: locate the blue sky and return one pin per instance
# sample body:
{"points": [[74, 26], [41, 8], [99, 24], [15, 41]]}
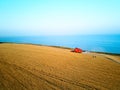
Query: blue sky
{"points": [[59, 17]]}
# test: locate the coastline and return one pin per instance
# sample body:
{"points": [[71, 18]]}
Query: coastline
{"points": [[116, 54]]}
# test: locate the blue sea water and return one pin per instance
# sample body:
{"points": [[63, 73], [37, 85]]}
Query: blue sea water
{"points": [[100, 43]]}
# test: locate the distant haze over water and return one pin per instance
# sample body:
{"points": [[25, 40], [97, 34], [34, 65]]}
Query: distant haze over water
{"points": [[100, 43]]}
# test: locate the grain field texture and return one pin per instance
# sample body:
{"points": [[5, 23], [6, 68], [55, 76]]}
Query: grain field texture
{"points": [[32, 67]]}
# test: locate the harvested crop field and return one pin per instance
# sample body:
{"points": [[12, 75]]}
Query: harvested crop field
{"points": [[32, 67]]}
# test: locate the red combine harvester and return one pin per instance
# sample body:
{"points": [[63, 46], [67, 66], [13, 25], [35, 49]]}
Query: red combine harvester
{"points": [[78, 50]]}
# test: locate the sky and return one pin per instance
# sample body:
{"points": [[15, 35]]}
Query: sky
{"points": [[59, 17]]}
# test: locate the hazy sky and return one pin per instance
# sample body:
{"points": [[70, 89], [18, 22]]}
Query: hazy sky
{"points": [[59, 17]]}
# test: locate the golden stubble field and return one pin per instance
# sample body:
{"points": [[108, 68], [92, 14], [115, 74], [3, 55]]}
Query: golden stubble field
{"points": [[32, 67]]}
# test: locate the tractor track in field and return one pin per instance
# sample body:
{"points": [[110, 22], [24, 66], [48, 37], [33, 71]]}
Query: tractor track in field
{"points": [[41, 74], [69, 81], [110, 58], [27, 72]]}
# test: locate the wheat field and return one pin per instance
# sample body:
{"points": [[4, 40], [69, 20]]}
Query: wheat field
{"points": [[32, 67]]}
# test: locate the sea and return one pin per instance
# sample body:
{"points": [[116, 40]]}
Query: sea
{"points": [[96, 43]]}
